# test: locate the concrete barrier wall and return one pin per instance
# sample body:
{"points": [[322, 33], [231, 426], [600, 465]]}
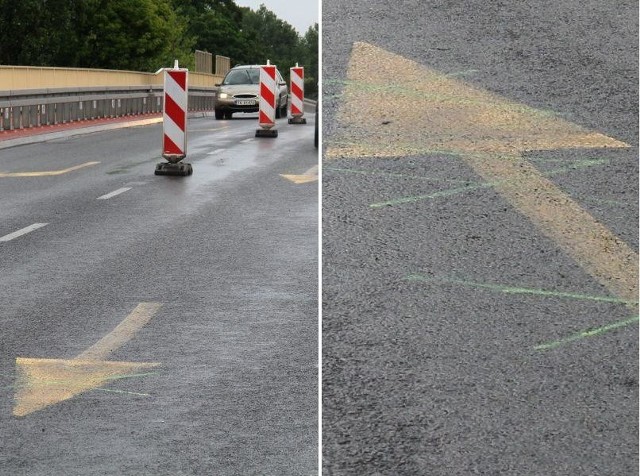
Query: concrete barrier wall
{"points": [[29, 77], [35, 97]]}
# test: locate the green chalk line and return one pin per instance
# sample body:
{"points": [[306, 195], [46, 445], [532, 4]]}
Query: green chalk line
{"points": [[391, 174], [396, 148], [587, 333], [476, 186], [120, 377], [62, 382], [440, 194], [121, 391], [541, 292], [615, 203], [516, 290], [404, 91]]}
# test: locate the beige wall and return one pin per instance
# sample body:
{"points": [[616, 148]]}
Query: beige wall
{"points": [[27, 77]]}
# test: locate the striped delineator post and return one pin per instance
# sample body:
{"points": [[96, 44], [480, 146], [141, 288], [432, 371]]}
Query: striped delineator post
{"points": [[297, 95], [174, 122], [267, 102], [174, 115]]}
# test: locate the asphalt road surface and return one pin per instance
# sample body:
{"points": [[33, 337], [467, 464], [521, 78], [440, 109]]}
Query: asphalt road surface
{"points": [[160, 325], [480, 237]]}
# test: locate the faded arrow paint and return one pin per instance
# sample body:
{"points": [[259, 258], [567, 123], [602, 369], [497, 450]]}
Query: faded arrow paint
{"points": [[44, 382], [435, 113]]}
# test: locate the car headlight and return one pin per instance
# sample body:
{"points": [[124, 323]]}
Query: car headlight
{"points": [[223, 96]]}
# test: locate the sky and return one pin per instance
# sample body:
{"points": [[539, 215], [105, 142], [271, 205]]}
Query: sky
{"points": [[300, 14]]}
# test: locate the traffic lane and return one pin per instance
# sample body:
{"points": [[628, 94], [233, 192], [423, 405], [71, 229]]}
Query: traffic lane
{"points": [[150, 219], [72, 198], [123, 156], [69, 203], [86, 231], [265, 338], [237, 340], [429, 335]]}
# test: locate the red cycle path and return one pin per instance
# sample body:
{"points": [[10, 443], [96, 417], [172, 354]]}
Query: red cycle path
{"points": [[32, 131]]}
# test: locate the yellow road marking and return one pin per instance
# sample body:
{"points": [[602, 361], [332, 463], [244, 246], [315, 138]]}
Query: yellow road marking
{"points": [[310, 175], [427, 111], [602, 254], [123, 333], [48, 173], [424, 111], [45, 382]]}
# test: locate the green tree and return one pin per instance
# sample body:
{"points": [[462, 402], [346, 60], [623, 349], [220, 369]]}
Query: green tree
{"points": [[141, 35], [214, 25], [309, 54], [271, 38], [146, 35], [42, 32]]}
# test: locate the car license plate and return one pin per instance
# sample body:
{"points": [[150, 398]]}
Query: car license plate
{"points": [[245, 102]]}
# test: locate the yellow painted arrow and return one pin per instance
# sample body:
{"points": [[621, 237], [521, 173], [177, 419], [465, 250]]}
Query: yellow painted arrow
{"points": [[44, 382], [310, 175], [47, 173], [394, 107]]}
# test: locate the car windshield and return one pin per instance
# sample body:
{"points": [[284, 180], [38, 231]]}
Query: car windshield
{"points": [[242, 76]]}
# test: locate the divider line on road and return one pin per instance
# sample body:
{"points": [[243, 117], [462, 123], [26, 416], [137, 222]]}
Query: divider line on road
{"points": [[217, 151], [114, 193], [23, 231]]}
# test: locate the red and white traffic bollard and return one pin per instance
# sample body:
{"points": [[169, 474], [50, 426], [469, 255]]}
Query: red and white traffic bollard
{"points": [[297, 95], [267, 102], [174, 122]]}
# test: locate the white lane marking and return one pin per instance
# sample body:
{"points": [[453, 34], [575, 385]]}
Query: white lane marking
{"points": [[114, 193], [217, 151], [23, 231], [246, 141]]}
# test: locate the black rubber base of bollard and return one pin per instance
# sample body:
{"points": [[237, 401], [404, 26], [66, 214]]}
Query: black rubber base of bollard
{"points": [[181, 169], [266, 132]]}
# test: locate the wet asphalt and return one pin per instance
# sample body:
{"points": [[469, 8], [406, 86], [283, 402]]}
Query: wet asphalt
{"points": [[229, 252]]}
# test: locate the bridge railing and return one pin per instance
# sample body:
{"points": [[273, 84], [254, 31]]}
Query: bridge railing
{"points": [[47, 98]]}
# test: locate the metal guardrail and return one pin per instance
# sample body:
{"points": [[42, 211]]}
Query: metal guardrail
{"points": [[20, 109]]}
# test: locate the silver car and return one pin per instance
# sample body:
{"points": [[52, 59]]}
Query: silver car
{"points": [[238, 92]]}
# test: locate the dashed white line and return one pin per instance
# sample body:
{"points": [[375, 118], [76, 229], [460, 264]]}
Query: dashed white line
{"points": [[23, 231], [114, 193], [217, 151], [246, 141]]}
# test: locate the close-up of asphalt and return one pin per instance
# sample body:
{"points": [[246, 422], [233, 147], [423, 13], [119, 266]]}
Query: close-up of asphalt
{"points": [[479, 238]]}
